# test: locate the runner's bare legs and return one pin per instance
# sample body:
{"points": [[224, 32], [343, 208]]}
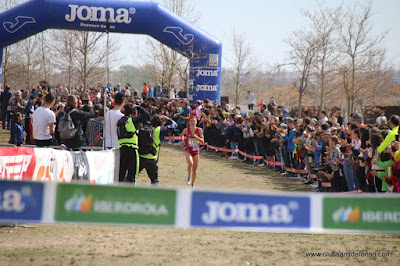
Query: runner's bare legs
{"points": [[189, 160], [196, 159]]}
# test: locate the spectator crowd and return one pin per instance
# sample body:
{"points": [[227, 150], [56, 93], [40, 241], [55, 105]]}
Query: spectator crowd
{"points": [[323, 150]]}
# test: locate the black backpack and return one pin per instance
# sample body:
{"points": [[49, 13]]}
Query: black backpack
{"points": [[146, 134], [66, 126], [121, 129]]}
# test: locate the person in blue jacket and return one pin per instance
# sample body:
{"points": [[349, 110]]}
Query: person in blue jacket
{"points": [[291, 147], [17, 130]]}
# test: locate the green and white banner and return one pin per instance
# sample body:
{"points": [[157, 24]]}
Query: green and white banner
{"points": [[111, 204], [362, 213]]}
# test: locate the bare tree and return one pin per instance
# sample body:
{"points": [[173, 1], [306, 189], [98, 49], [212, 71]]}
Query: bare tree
{"points": [[90, 55], [28, 51], [171, 66], [359, 49], [46, 62], [374, 81], [323, 26], [304, 48], [63, 45], [244, 64]]}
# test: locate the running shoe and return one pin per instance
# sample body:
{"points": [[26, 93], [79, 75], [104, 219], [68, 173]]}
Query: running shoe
{"points": [[233, 157], [308, 182], [188, 181], [261, 164], [283, 173], [314, 185]]}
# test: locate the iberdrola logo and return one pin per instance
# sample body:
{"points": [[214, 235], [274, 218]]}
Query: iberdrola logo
{"points": [[79, 203], [346, 215]]}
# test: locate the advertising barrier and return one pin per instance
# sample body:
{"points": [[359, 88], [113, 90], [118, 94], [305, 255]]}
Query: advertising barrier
{"points": [[21, 201], [362, 213], [105, 204], [47, 164], [52, 202], [248, 210]]}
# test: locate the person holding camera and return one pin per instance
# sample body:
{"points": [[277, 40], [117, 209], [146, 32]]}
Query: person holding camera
{"points": [[134, 117], [149, 161], [332, 170]]}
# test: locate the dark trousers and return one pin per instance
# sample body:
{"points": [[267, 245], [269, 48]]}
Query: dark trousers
{"points": [[45, 143], [28, 131], [5, 116], [128, 164], [251, 106], [292, 159], [151, 168]]}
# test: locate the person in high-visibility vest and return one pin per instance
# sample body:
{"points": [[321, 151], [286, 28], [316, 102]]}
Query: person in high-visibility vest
{"points": [[129, 156], [149, 161]]}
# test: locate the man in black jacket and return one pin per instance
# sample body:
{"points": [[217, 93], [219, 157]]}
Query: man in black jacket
{"points": [[78, 117], [4, 100]]}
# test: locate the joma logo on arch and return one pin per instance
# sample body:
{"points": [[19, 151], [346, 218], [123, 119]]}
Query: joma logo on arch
{"points": [[99, 14]]}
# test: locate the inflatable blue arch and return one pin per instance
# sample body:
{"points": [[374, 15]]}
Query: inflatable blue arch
{"points": [[153, 19]]}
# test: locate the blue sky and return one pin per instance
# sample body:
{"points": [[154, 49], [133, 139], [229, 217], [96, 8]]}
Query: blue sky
{"points": [[267, 23]]}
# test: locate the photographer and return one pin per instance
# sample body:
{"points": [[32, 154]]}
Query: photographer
{"points": [[149, 161]]}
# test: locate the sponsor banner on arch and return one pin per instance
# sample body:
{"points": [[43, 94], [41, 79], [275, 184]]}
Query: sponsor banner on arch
{"points": [[213, 209], [110, 204], [362, 213], [204, 83], [21, 201]]}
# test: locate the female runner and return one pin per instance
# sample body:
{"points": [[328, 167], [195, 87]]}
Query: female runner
{"points": [[192, 137]]}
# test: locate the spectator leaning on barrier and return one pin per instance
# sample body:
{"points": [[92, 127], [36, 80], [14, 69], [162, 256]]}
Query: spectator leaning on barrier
{"points": [[43, 123]]}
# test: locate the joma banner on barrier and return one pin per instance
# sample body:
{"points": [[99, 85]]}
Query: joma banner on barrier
{"points": [[21, 201], [362, 213], [47, 164], [105, 204], [247, 210]]}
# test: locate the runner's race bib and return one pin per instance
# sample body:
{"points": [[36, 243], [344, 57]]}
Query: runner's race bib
{"points": [[193, 142]]}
